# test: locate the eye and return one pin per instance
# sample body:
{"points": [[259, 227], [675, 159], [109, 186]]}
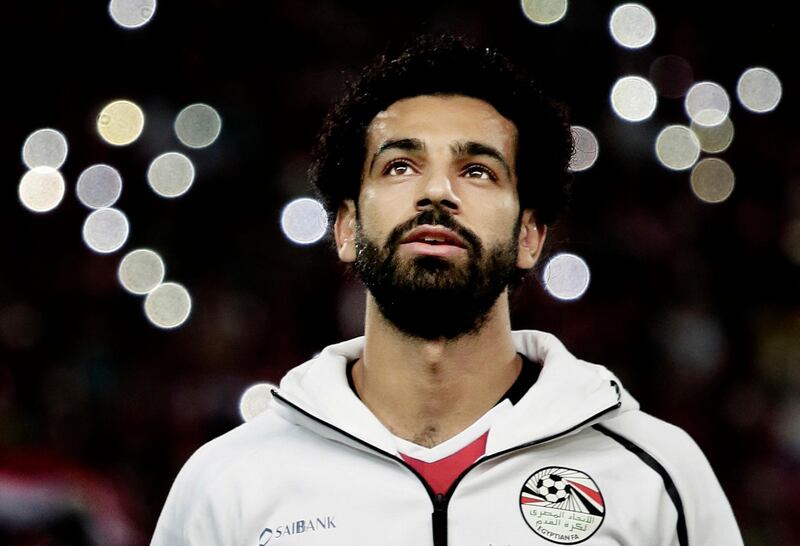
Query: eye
{"points": [[479, 171], [398, 167]]}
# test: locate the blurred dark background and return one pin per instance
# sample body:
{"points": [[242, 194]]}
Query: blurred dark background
{"points": [[695, 306]]}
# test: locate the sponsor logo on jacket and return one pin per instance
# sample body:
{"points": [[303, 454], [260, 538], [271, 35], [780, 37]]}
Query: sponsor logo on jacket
{"points": [[311, 525]]}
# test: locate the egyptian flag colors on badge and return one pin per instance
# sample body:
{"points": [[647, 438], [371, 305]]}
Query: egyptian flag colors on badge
{"points": [[562, 505]]}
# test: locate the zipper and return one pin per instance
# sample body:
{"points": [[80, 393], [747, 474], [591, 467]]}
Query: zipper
{"points": [[441, 501], [439, 520]]}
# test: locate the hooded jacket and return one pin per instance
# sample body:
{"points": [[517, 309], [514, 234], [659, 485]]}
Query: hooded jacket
{"points": [[574, 461]]}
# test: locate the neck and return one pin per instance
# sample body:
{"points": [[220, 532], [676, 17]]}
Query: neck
{"points": [[427, 391]]}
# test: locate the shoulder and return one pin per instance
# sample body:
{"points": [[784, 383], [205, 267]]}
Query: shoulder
{"points": [[671, 445], [233, 448], [205, 474], [704, 513], [667, 449]]}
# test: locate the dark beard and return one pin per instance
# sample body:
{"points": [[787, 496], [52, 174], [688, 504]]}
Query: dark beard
{"points": [[429, 297]]}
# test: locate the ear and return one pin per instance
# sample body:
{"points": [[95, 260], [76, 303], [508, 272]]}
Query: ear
{"points": [[344, 230], [531, 240]]}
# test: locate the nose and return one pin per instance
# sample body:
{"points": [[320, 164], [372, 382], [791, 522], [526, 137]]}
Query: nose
{"points": [[437, 189]]}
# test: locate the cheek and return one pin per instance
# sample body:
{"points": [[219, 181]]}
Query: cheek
{"points": [[498, 216], [508, 204], [381, 212]]}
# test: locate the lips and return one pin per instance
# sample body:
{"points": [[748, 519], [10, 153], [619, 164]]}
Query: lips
{"points": [[436, 241], [434, 235]]}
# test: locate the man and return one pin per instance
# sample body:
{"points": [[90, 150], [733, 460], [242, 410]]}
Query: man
{"points": [[442, 426]]}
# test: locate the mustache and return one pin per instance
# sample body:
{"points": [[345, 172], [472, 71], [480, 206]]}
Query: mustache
{"points": [[435, 216]]}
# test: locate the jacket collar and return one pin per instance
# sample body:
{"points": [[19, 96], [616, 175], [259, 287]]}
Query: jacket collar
{"points": [[569, 395]]}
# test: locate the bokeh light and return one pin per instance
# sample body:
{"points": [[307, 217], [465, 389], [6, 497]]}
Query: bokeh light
{"points": [[677, 147], [45, 148], [714, 139], [198, 125], [632, 25], [707, 103], [120, 122], [141, 271], [566, 276], [304, 221], [99, 186], [759, 90], [171, 174], [712, 180], [41, 189], [671, 75], [168, 305], [633, 98], [586, 149], [132, 13], [255, 400], [105, 230], [544, 12]]}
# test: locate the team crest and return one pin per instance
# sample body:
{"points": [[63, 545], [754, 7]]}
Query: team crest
{"points": [[562, 505]]}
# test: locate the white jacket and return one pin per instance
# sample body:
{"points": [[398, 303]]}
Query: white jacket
{"points": [[574, 461]]}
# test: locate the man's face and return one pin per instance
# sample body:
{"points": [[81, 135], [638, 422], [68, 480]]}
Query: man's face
{"points": [[437, 233]]}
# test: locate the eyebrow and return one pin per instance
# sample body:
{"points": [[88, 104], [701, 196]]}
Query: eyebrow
{"points": [[407, 144]]}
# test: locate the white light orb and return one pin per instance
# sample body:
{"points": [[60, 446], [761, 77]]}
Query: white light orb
{"points": [[132, 13], [198, 125], [566, 277], [168, 305], [759, 90], [677, 147], [304, 221], [255, 400], [141, 271], [707, 103], [45, 148], [586, 151], [171, 174], [41, 189], [544, 12], [633, 98], [99, 186], [632, 26], [106, 230]]}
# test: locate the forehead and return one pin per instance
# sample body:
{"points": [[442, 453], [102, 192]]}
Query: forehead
{"points": [[445, 118]]}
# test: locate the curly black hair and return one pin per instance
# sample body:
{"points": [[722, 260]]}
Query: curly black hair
{"points": [[448, 65]]}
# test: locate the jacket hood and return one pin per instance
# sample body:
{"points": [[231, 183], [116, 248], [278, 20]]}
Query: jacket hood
{"points": [[569, 395]]}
